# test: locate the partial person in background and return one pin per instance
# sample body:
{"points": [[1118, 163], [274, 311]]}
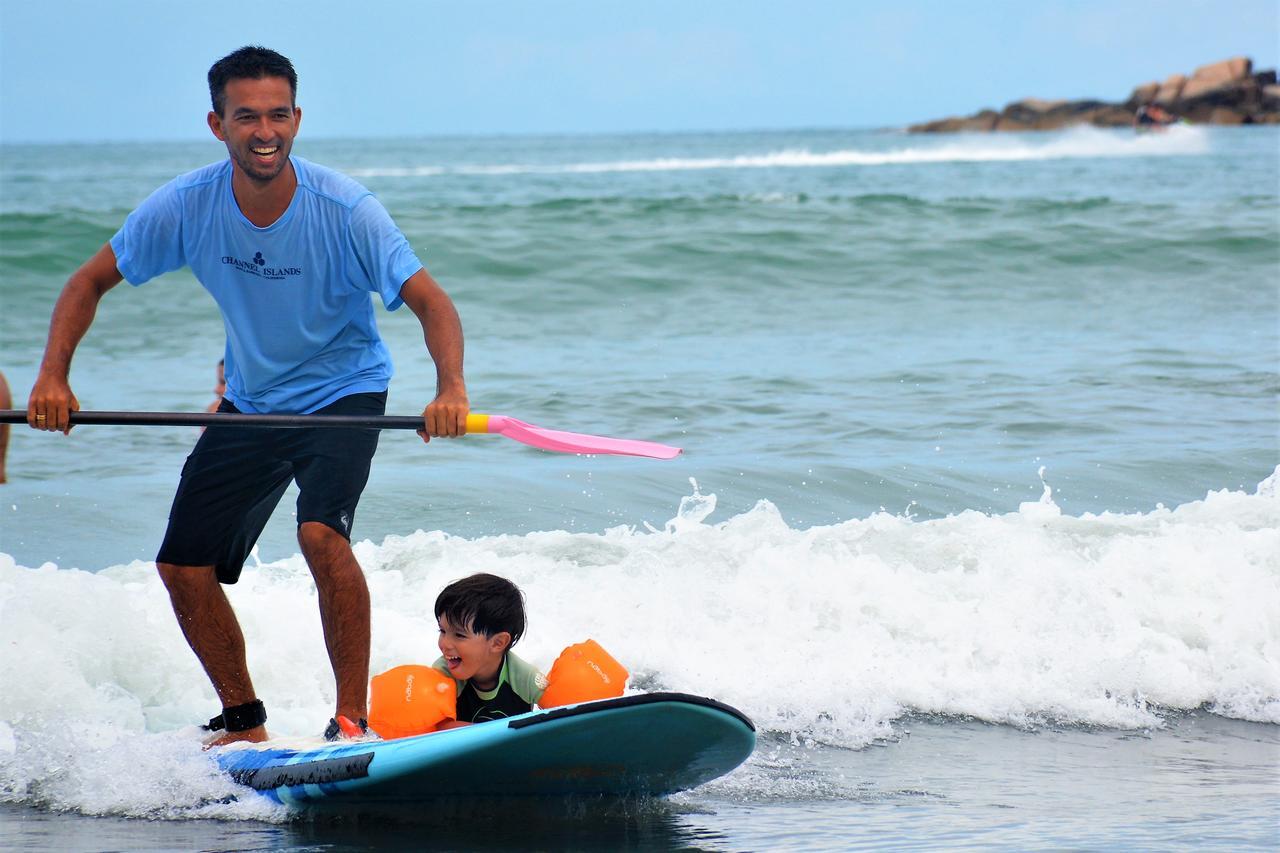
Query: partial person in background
{"points": [[219, 385], [6, 402]]}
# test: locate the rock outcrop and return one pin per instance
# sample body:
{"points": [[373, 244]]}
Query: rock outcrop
{"points": [[1227, 92]]}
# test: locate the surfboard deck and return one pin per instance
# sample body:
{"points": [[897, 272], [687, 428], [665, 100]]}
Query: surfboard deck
{"points": [[646, 744]]}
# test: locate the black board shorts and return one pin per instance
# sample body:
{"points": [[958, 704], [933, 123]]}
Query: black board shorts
{"points": [[235, 476]]}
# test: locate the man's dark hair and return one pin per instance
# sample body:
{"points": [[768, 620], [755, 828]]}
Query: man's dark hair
{"points": [[484, 604], [251, 62]]}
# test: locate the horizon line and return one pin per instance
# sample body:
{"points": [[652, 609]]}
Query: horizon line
{"points": [[807, 128]]}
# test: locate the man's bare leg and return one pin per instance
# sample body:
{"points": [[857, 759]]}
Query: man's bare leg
{"points": [[344, 613], [214, 634]]}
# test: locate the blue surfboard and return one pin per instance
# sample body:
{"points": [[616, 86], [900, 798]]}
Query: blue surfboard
{"points": [[646, 744]]}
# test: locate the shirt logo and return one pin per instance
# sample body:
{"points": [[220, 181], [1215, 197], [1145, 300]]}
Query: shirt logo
{"points": [[258, 266]]}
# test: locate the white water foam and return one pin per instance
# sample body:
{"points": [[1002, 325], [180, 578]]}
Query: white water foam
{"points": [[1082, 142], [824, 635]]}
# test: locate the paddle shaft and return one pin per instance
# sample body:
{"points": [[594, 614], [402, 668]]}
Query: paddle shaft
{"points": [[204, 419], [556, 441]]}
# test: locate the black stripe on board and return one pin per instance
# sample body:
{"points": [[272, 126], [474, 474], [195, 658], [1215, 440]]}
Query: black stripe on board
{"points": [[308, 773]]}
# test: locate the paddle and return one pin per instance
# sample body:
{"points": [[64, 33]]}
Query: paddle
{"points": [[544, 439]]}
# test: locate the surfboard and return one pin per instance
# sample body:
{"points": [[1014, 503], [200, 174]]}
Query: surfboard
{"points": [[645, 744]]}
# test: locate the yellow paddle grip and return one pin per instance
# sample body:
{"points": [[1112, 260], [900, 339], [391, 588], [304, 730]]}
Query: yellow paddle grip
{"points": [[477, 423]]}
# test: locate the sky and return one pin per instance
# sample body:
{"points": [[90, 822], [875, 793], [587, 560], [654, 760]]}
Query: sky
{"points": [[89, 70]]}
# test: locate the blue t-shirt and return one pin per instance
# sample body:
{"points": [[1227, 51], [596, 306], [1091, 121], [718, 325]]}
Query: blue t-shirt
{"points": [[294, 295]]}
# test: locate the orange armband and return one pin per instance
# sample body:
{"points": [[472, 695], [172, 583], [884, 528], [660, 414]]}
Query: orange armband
{"points": [[411, 700], [584, 672]]}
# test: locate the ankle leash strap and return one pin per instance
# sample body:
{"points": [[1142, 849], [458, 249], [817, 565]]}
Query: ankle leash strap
{"points": [[239, 718]]}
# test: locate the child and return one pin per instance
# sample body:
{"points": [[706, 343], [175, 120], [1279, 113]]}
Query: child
{"points": [[481, 617], [478, 678]]}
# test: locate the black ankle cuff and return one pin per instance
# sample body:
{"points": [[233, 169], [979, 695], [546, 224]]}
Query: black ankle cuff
{"points": [[240, 718]]}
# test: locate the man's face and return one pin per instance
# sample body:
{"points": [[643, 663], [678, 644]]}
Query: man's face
{"points": [[258, 124]]}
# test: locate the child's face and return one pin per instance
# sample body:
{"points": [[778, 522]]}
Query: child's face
{"points": [[471, 655]]}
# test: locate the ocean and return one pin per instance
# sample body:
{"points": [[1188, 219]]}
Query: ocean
{"points": [[978, 516]]}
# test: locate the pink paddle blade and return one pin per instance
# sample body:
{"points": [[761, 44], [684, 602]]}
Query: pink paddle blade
{"points": [[574, 442]]}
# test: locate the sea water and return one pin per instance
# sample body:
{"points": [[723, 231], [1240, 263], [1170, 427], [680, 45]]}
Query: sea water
{"points": [[977, 516]]}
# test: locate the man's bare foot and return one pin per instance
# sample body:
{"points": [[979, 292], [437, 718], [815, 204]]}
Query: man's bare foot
{"points": [[258, 734], [342, 727]]}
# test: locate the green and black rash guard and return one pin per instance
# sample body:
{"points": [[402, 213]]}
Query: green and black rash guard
{"points": [[520, 686]]}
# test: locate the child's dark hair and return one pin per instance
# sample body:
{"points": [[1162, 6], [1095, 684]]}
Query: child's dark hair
{"points": [[484, 604], [248, 63]]}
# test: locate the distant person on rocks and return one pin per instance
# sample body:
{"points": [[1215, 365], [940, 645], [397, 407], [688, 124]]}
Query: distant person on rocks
{"points": [[1150, 116], [290, 251]]}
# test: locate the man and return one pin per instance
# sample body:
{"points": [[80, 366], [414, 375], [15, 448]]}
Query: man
{"points": [[290, 251]]}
